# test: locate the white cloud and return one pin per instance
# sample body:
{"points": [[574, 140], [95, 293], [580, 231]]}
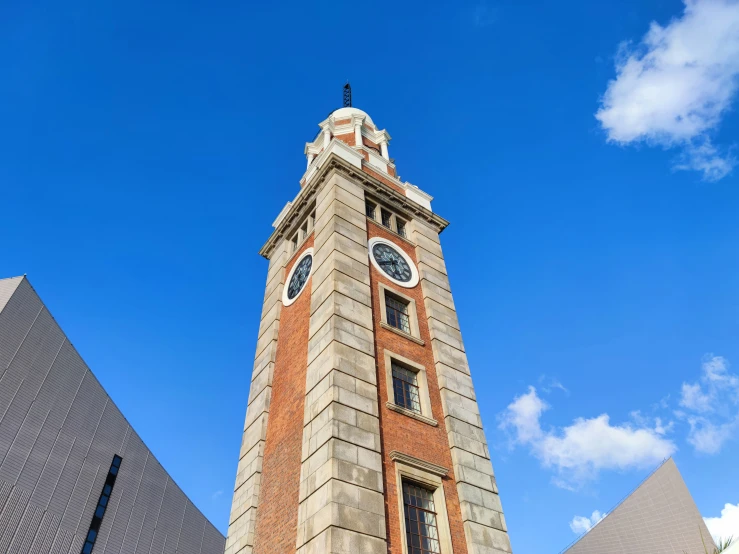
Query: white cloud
{"points": [[725, 526], [672, 88], [711, 405], [582, 524], [708, 437], [548, 384], [693, 398], [578, 452]]}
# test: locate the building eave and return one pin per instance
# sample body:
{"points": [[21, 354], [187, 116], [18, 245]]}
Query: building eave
{"points": [[378, 189]]}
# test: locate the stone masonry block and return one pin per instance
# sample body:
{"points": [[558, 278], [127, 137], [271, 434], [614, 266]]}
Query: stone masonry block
{"points": [[272, 295], [338, 261], [345, 517], [441, 313], [483, 516], [349, 186], [481, 537], [421, 228], [443, 332], [257, 407], [344, 331], [340, 387], [339, 242], [250, 462], [457, 440], [457, 381], [271, 319], [343, 451], [474, 495], [330, 194], [426, 258], [480, 480], [335, 224], [336, 281], [265, 359], [428, 274], [269, 336], [349, 214], [450, 356], [261, 381], [344, 306], [473, 461], [255, 432], [336, 540], [336, 468], [345, 359], [460, 407], [433, 247]]}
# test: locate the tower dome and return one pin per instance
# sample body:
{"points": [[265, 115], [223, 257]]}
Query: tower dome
{"points": [[344, 113]]}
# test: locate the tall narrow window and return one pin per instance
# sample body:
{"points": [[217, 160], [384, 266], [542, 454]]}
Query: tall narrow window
{"points": [[421, 531], [295, 243], [405, 388], [369, 209], [397, 313], [386, 217], [401, 227], [97, 517]]}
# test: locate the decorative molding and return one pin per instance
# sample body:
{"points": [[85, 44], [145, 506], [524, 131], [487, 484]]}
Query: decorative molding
{"points": [[407, 459], [382, 192], [281, 215], [401, 333], [410, 413]]}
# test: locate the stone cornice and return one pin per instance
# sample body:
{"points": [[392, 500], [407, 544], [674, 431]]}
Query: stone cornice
{"points": [[423, 465], [379, 190]]}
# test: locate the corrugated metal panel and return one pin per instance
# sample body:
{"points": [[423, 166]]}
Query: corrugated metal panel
{"points": [[11, 517], [62, 542], [7, 288], [58, 433], [45, 534], [170, 521], [658, 517], [191, 535], [15, 321], [212, 540], [27, 529], [149, 503]]}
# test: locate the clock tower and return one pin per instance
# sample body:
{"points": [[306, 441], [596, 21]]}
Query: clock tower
{"points": [[362, 433]]}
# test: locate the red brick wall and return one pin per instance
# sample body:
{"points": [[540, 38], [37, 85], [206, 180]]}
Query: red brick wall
{"points": [[385, 180], [400, 432], [277, 516], [347, 138], [367, 142]]}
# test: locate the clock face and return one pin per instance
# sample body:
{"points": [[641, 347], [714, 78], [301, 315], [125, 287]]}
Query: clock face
{"points": [[392, 262], [300, 276]]}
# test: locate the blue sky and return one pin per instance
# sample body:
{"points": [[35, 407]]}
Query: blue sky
{"points": [[146, 148]]}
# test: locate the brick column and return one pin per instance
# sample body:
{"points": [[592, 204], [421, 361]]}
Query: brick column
{"points": [[484, 524], [241, 527], [341, 502]]}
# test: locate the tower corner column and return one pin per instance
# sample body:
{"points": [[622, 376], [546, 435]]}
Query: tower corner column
{"points": [[240, 537], [341, 491], [482, 513]]}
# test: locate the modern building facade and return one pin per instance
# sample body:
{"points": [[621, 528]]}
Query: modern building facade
{"points": [[75, 478], [659, 517], [362, 432]]}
